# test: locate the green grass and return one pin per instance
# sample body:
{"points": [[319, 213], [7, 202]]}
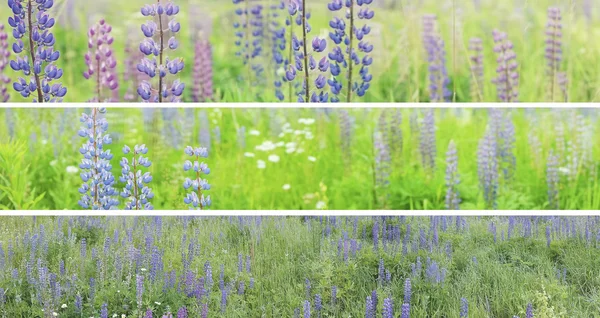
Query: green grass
{"points": [[34, 164]]}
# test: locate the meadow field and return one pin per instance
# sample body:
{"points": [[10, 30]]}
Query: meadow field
{"points": [[409, 51], [359, 158], [299, 267]]}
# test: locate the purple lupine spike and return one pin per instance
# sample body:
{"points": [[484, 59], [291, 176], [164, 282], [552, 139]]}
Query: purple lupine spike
{"points": [[507, 79], [529, 311], [154, 47], [427, 140], [452, 178], [104, 311], [35, 55], [487, 167], [405, 312], [407, 291], [148, 313], [182, 312], [136, 184], [139, 289], [476, 47], [318, 304], [4, 56], [382, 161], [278, 45], [249, 34], [101, 62], [307, 287], [97, 189], [388, 308], [347, 32], [553, 180], [436, 59], [464, 308], [553, 50], [196, 197], [369, 308], [203, 72], [333, 295]]}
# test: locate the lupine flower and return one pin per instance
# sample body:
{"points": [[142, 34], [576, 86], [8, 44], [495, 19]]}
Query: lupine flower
{"points": [[318, 304], [35, 55], [4, 55], [196, 197], [388, 308], [304, 59], [139, 289], [553, 180], [553, 49], [503, 129], [249, 33], [464, 308], [182, 312], [131, 74], [278, 45], [407, 291], [202, 72], [436, 59], [97, 188], [382, 161], [104, 311], [101, 62], [148, 313], [346, 31], [487, 167], [155, 45], [529, 311], [136, 184], [405, 311], [452, 178], [333, 295], [476, 47], [369, 308], [427, 144], [306, 309], [507, 79]]}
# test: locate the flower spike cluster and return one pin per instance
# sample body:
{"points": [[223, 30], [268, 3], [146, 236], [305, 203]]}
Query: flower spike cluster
{"points": [[154, 47], [346, 31], [507, 81], [203, 72], [4, 55], [305, 61], [196, 197], [100, 60], [97, 190], [34, 49], [136, 184]]}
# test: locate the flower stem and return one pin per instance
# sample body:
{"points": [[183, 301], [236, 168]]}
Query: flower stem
{"points": [[349, 95], [32, 52], [162, 47], [306, 79]]}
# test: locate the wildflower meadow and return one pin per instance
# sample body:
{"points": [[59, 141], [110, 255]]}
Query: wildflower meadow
{"points": [[214, 266]]}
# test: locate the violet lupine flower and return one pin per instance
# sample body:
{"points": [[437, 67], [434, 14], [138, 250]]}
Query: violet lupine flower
{"points": [[369, 308], [156, 32], [333, 295], [318, 304], [249, 38], [405, 311], [101, 62], [104, 311], [553, 180], [388, 308], [507, 80], [35, 56], [97, 188], [304, 62], [203, 72], [452, 178], [139, 289], [196, 197], [278, 45], [136, 184], [464, 308], [306, 309], [476, 47], [529, 311], [148, 313], [436, 59], [345, 30], [4, 55], [407, 291], [487, 168], [182, 312], [553, 50], [382, 161], [427, 143]]}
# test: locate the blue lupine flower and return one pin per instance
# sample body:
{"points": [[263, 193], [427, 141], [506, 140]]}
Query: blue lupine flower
{"points": [[529, 311], [427, 144], [35, 55], [370, 308], [136, 184], [487, 168], [388, 308], [476, 47], [139, 289], [304, 60], [195, 198], [306, 308], [407, 291], [452, 178], [278, 46], [345, 30], [156, 32], [405, 313], [97, 188], [553, 50], [464, 308]]}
